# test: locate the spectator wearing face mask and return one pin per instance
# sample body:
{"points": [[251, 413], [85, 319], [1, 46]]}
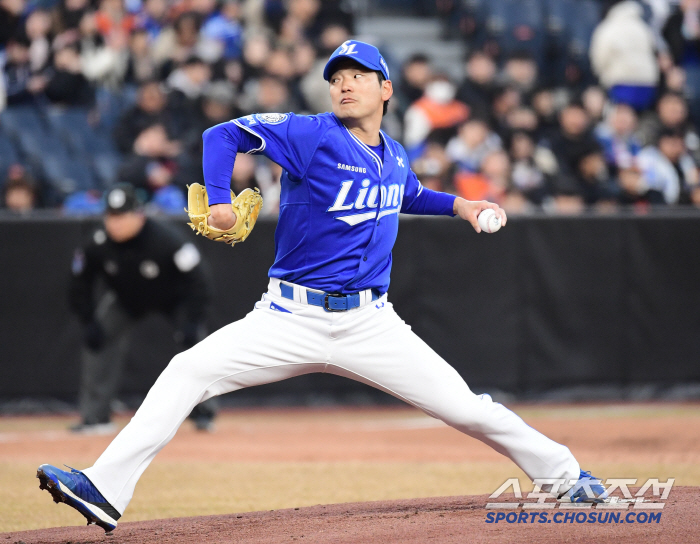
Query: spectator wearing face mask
{"points": [[436, 109]]}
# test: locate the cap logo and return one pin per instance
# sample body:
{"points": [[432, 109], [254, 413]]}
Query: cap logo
{"points": [[348, 48], [116, 199]]}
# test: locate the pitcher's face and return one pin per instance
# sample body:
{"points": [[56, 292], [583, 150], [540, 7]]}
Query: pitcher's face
{"points": [[356, 91]]}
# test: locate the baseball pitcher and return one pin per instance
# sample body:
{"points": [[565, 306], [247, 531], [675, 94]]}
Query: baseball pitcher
{"points": [[326, 308]]}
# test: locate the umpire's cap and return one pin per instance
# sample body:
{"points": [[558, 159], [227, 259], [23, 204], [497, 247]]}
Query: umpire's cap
{"points": [[122, 198], [365, 54]]}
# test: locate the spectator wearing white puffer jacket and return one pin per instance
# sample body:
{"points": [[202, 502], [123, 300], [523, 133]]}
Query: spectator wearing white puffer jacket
{"points": [[623, 56]]}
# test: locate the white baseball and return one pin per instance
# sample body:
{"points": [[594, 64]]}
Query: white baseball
{"points": [[489, 221]]}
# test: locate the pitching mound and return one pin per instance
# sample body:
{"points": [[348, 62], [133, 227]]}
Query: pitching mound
{"points": [[440, 520]]}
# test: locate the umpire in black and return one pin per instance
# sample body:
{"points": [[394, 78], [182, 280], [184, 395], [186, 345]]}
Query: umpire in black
{"points": [[146, 267]]}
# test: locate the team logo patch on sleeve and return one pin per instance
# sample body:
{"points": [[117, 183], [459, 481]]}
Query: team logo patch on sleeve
{"points": [[271, 118]]}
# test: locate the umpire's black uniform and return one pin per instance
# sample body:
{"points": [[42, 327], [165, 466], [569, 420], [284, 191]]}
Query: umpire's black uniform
{"points": [[156, 270]]}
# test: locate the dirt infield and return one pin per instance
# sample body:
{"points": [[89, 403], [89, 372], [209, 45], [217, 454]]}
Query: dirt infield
{"points": [[363, 461], [440, 520]]}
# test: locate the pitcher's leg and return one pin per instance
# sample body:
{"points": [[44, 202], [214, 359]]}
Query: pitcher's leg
{"points": [[264, 347], [385, 353]]}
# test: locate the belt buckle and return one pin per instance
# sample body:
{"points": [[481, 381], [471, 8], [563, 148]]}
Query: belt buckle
{"points": [[325, 302]]}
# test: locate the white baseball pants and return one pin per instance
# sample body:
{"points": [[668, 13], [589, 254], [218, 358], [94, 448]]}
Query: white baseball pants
{"points": [[370, 344]]}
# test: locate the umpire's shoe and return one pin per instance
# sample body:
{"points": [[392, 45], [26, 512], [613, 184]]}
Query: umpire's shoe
{"points": [[587, 489], [76, 490]]}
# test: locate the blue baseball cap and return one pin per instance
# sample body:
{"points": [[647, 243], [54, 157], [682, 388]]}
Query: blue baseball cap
{"points": [[365, 54]]}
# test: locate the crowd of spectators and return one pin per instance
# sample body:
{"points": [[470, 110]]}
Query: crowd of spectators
{"points": [[564, 105], [599, 114]]}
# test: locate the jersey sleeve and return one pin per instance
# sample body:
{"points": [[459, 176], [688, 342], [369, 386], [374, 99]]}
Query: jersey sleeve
{"points": [[418, 200], [289, 140], [221, 145]]}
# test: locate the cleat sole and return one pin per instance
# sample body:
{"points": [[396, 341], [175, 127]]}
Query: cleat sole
{"points": [[58, 496], [49, 485]]}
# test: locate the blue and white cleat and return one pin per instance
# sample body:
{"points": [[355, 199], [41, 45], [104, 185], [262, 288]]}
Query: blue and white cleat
{"points": [[76, 490], [586, 489]]}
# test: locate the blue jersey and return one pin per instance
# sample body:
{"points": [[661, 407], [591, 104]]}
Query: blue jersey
{"points": [[339, 201]]}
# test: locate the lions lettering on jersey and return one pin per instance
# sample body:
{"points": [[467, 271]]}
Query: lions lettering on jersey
{"points": [[390, 199]]}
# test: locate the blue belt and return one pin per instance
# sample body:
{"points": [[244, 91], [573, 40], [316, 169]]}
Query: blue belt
{"points": [[331, 302]]}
